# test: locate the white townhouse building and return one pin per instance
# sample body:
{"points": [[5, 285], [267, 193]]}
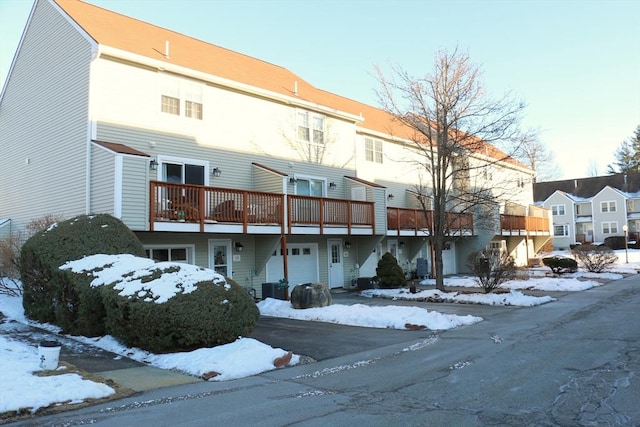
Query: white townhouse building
{"points": [[222, 160], [588, 210]]}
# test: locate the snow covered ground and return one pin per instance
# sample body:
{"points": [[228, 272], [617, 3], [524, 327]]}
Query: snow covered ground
{"points": [[22, 387]]}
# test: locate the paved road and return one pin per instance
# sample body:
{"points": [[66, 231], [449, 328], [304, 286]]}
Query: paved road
{"points": [[573, 362]]}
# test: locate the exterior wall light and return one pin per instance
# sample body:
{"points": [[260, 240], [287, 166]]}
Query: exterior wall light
{"points": [[153, 165], [333, 185], [216, 172], [239, 247], [347, 244]]}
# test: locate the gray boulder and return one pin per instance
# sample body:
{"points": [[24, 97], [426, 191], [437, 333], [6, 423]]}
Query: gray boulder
{"points": [[310, 295]]}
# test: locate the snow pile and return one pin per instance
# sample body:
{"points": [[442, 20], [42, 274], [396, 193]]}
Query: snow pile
{"points": [[22, 389], [394, 317]]}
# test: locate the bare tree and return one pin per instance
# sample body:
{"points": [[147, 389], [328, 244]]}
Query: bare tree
{"points": [[452, 123], [535, 154]]}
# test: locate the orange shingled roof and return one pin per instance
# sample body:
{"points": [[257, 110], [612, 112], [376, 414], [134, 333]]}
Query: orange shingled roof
{"points": [[131, 35]]}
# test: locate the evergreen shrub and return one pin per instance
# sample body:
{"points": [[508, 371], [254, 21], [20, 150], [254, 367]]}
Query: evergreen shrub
{"points": [[388, 273], [59, 297], [212, 314], [560, 265]]}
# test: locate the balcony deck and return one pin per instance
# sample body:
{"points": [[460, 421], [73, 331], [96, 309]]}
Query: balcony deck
{"points": [[517, 225], [223, 209], [416, 222]]}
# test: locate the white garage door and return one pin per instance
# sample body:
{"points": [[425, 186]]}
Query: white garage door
{"points": [[303, 264]]}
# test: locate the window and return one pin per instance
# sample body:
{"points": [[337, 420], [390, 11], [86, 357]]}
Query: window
{"points": [[303, 126], [174, 254], [610, 227], [193, 101], [183, 173], [304, 129], [193, 110], [174, 91], [373, 150], [609, 206], [310, 187], [557, 209], [318, 129], [561, 230], [170, 105]]}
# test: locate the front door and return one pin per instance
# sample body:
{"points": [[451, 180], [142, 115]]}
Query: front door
{"points": [[336, 268], [220, 256]]}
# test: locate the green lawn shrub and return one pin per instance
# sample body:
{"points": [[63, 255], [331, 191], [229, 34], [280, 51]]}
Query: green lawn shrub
{"points": [[59, 297], [560, 265], [212, 314], [388, 273]]}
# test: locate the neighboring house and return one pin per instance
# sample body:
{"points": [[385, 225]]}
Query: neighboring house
{"points": [[222, 160], [588, 210]]}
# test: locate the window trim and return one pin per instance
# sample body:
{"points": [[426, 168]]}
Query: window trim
{"points": [[190, 248], [297, 178], [609, 224], [557, 209], [183, 161], [565, 228], [188, 94], [227, 243], [606, 205], [306, 119], [375, 153]]}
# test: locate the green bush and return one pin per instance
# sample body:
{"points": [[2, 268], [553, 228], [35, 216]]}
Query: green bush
{"points": [[388, 273], [59, 297], [212, 314], [560, 265]]}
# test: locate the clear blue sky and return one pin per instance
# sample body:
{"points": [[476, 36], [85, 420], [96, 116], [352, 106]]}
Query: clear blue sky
{"points": [[575, 63]]}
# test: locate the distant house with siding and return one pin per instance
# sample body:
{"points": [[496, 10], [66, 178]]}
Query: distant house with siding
{"points": [[588, 210]]}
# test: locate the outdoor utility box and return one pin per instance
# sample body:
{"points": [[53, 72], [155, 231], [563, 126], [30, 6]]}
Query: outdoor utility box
{"points": [[365, 283], [422, 268], [274, 290]]}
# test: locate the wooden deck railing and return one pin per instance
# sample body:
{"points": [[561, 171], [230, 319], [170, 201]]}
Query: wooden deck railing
{"points": [[415, 220], [524, 224], [321, 212], [200, 204]]}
